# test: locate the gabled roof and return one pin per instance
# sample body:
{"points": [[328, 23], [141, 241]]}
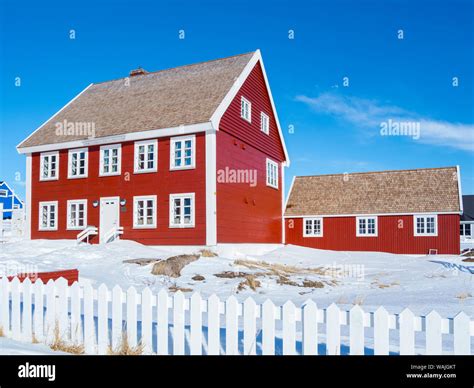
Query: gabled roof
{"points": [[468, 208], [386, 192], [4, 183], [164, 99]]}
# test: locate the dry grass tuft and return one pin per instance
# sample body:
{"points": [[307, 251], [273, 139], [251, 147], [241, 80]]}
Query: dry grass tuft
{"points": [[2, 334], [125, 349], [175, 288], [359, 301], [280, 269], [250, 281], [284, 280], [34, 339], [312, 284], [59, 344], [464, 295], [198, 278], [207, 253]]}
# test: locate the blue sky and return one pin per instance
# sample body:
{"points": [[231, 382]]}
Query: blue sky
{"points": [[336, 127]]}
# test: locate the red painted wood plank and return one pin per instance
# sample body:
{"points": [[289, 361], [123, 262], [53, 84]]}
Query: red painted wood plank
{"points": [[71, 275]]}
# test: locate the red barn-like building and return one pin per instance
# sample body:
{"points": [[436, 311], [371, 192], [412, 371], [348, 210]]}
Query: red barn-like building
{"points": [[408, 211], [191, 155]]}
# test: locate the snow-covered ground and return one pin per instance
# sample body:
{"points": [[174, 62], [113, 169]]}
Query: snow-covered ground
{"points": [[17, 348], [370, 279]]}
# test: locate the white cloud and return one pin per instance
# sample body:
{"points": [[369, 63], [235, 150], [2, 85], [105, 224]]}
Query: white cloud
{"points": [[371, 114]]}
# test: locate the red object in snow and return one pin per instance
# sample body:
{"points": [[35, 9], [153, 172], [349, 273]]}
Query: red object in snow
{"points": [[71, 275]]}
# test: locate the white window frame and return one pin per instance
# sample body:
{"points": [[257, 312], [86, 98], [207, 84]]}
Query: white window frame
{"points": [[471, 230], [425, 216], [145, 143], [40, 214], [119, 160], [312, 220], [16, 206], [244, 102], [136, 199], [182, 139], [43, 156], [3, 193], [264, 123], [71, 202], [367, 234], [86, 163], [268, 177], [182, 196]]}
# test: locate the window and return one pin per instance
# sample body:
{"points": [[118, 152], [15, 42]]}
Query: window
{"points": [[425, 225], [264, 123], [182, 210], [49, 166], [3, 193], [146, 156], [110, 160], [466, 230], [78, 162], [16, 206], [182, 153], [144, 212], [313, 227], [76, 214], [366, 227], [272, 174], [246, 109], [48, 215]]}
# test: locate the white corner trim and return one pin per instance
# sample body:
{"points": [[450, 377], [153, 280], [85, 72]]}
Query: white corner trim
{"points": [[283, 226], [28, 196], [52, 117], [217, 115], [142, 135], [211, 187], [461, 207], [289, 193]]}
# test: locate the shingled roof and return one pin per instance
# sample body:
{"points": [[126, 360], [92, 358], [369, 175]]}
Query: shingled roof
{"points": [[164, 99], [384, 192]]}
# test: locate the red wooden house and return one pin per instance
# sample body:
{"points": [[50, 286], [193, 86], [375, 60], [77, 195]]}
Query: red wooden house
{"points": [[190, 155], [408, 211]]}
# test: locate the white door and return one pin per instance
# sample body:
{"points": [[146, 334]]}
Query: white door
{"points": [[109, 216]]}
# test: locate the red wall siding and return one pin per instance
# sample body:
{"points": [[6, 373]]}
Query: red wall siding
{"points": [[254, 90], [127, 185], [246, 214], [395, 235]]}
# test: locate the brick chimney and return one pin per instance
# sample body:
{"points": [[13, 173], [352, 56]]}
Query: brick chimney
{"points": [[138, 71]]}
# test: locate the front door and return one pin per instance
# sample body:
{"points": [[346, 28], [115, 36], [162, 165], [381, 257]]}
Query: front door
{"points": [[109, 217]]}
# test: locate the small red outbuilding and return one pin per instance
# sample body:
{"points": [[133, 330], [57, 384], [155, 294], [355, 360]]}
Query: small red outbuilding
{"points": [[405, 211]]}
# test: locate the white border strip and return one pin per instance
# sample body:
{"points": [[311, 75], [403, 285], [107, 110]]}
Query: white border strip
{"points": [[368, 214]]}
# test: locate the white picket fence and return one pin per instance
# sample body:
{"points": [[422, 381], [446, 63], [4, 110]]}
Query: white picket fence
{"points": [[165, 324]]}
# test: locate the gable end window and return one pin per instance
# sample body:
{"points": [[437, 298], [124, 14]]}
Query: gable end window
{"points": [[245, 109], [366, 227], [264, 123], [144, 212], [3, 193], [146, 156], [48, 215], [272, 174], [77, 163], [183, 153], [182, 210], [49, 166], [313, 227], [426, 225], [110, 160], [76, 214]]}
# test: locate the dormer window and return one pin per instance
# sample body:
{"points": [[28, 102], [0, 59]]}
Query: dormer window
{"points": [[264, 123]]}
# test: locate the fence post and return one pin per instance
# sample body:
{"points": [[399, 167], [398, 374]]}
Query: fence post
{"points": [[132, 317], [62, 308], [462, 336], [26, 326], [433, 333], [250, 327], [268, 328], [231, 326], [5, 305], [407, 332], [50, 311], [38, 317], [117, 320], [89, 327], [310, 328], [333, 330], [356, 330], [178, 323], [381, 331], [76, 324], [289, 328], [102, 319], [147, 340], [214, 325], [162, 323], [16, 312], [196, 324]]}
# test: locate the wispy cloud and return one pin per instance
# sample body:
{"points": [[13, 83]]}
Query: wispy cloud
{"points": [[372, 114]]}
